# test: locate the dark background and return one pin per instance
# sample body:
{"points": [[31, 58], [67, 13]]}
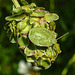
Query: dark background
{"points": [[10, 54]]}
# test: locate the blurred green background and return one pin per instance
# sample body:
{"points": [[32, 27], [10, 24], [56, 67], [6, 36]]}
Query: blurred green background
{"points": [[65, 63]]}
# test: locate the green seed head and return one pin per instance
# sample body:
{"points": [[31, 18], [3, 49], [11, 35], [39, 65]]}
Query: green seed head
{"points": [[33, 29]]}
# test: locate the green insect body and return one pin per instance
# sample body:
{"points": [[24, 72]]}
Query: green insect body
{"points": [[33, 29]]}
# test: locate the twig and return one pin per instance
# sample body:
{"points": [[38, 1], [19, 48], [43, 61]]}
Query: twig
{"points": [[16, 3]]}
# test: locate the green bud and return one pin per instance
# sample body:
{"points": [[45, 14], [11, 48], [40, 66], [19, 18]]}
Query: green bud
{"points": [[33, 29]]}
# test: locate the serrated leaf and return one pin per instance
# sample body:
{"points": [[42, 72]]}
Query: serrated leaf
{"points": [[41, 37], [15, 17], [51, 17], [39, 13], [23, 41]]}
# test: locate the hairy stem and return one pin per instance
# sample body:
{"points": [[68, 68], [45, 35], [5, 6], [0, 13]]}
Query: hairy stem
{"points": [[16, 3]]}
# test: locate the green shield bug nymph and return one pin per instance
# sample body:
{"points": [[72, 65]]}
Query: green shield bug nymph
{"points": [[42, 37]]}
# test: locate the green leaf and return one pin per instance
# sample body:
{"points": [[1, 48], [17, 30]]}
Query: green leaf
{"points": [[30, 50], [52, 26], [16, 4], [17, 10], [23, 41], [51, 17], [27, 9], [33, 5], [41, 37], [36, 24], [14, 7], [23, 23], [24, 2], [26, 29], [55, 34], [33, 19], [57, 48], [45, 64], [30, 58], [6, 26], [39, 8], [11, 27], [49, 52], [15, 17], [39, 13], [39, 53], [54, 55], [45, 25], [13, 39]]}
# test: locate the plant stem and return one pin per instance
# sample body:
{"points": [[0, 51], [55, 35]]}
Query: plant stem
{"points": [[16, 3], [52, 5], [62, 36], [71, 61]]}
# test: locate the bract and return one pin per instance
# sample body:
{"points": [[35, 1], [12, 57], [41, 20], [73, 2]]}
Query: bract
{"points": [[41, 37]]}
